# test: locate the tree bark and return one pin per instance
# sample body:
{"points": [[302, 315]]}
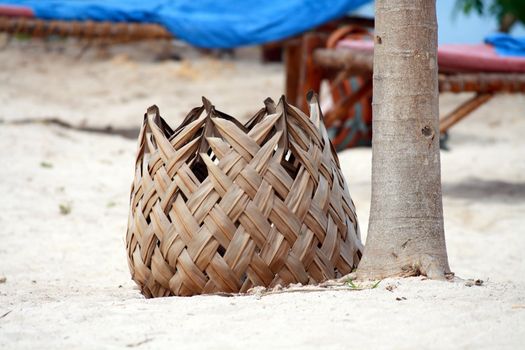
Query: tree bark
{"points": [[405, 234]]}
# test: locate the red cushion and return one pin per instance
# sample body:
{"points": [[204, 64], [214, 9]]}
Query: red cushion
{"points": [[16, 11], [458, 57]]}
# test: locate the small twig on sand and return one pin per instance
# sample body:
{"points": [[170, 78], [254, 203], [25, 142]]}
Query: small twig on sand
{"points": [[328, 286], [305, 289], [7, 313], [133, 345], [344, 283]]}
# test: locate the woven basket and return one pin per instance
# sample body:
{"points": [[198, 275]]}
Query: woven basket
{"points": [[218, 206]]}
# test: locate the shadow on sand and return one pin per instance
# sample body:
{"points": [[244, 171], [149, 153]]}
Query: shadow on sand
{"points": [[128, 133], [494, 190]]}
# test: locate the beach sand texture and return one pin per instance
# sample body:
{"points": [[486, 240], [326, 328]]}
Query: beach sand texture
{"points": [[64, 280]]}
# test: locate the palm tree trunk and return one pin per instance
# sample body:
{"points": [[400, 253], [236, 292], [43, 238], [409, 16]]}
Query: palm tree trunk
{"points": [[405, 233]]}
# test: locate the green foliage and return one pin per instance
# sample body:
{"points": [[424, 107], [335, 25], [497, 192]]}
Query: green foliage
{"points": [[65, 208], [467, 6], [46, 165], [350, 283], [507, 12]]}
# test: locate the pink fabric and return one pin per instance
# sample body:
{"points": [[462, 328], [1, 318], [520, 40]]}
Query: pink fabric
{"points": [[16, 11], [455, 57]]}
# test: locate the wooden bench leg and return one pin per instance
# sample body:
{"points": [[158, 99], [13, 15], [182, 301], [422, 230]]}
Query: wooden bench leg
{"points": [[310, 74], [340, 110], [292, 61], [462, 111]]}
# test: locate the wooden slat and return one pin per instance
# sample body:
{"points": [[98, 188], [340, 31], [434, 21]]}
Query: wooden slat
{"points": [[462, 111], [83, 29], [482, 82], [354, 63]]}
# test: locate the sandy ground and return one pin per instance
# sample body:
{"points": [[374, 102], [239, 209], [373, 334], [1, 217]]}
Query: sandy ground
{"points": [[64, 204]]}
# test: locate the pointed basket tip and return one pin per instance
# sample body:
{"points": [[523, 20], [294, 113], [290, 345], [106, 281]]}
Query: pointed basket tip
{"points": [[270, 105], [207, 104], [153, 111], [282, 102], [268, 101], [311, 97]]}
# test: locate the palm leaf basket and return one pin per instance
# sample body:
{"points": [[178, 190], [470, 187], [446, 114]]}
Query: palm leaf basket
{"points": [[218, 206]]}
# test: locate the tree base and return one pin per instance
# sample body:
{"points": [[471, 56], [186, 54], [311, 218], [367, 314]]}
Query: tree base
{"points": [[421, 265]]}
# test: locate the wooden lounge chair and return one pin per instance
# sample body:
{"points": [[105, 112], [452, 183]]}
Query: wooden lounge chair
{"points": [[20, 20], [345, 59]]}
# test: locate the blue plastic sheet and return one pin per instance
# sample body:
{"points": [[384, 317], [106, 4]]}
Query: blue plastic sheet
{"points": [[507, 45], [204, 23]]}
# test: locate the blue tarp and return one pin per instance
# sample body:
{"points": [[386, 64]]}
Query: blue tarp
{"points": [[204, 23], [507, 45]]}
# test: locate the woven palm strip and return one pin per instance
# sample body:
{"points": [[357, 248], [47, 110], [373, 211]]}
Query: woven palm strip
{"points": [[217, 206]]}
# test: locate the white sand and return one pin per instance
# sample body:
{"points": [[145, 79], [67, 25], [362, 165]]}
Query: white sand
{"points": [[67, 282]]}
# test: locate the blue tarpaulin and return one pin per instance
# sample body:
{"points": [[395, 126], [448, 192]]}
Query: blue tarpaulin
{"points": [[507, 45], [204, 23]]}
